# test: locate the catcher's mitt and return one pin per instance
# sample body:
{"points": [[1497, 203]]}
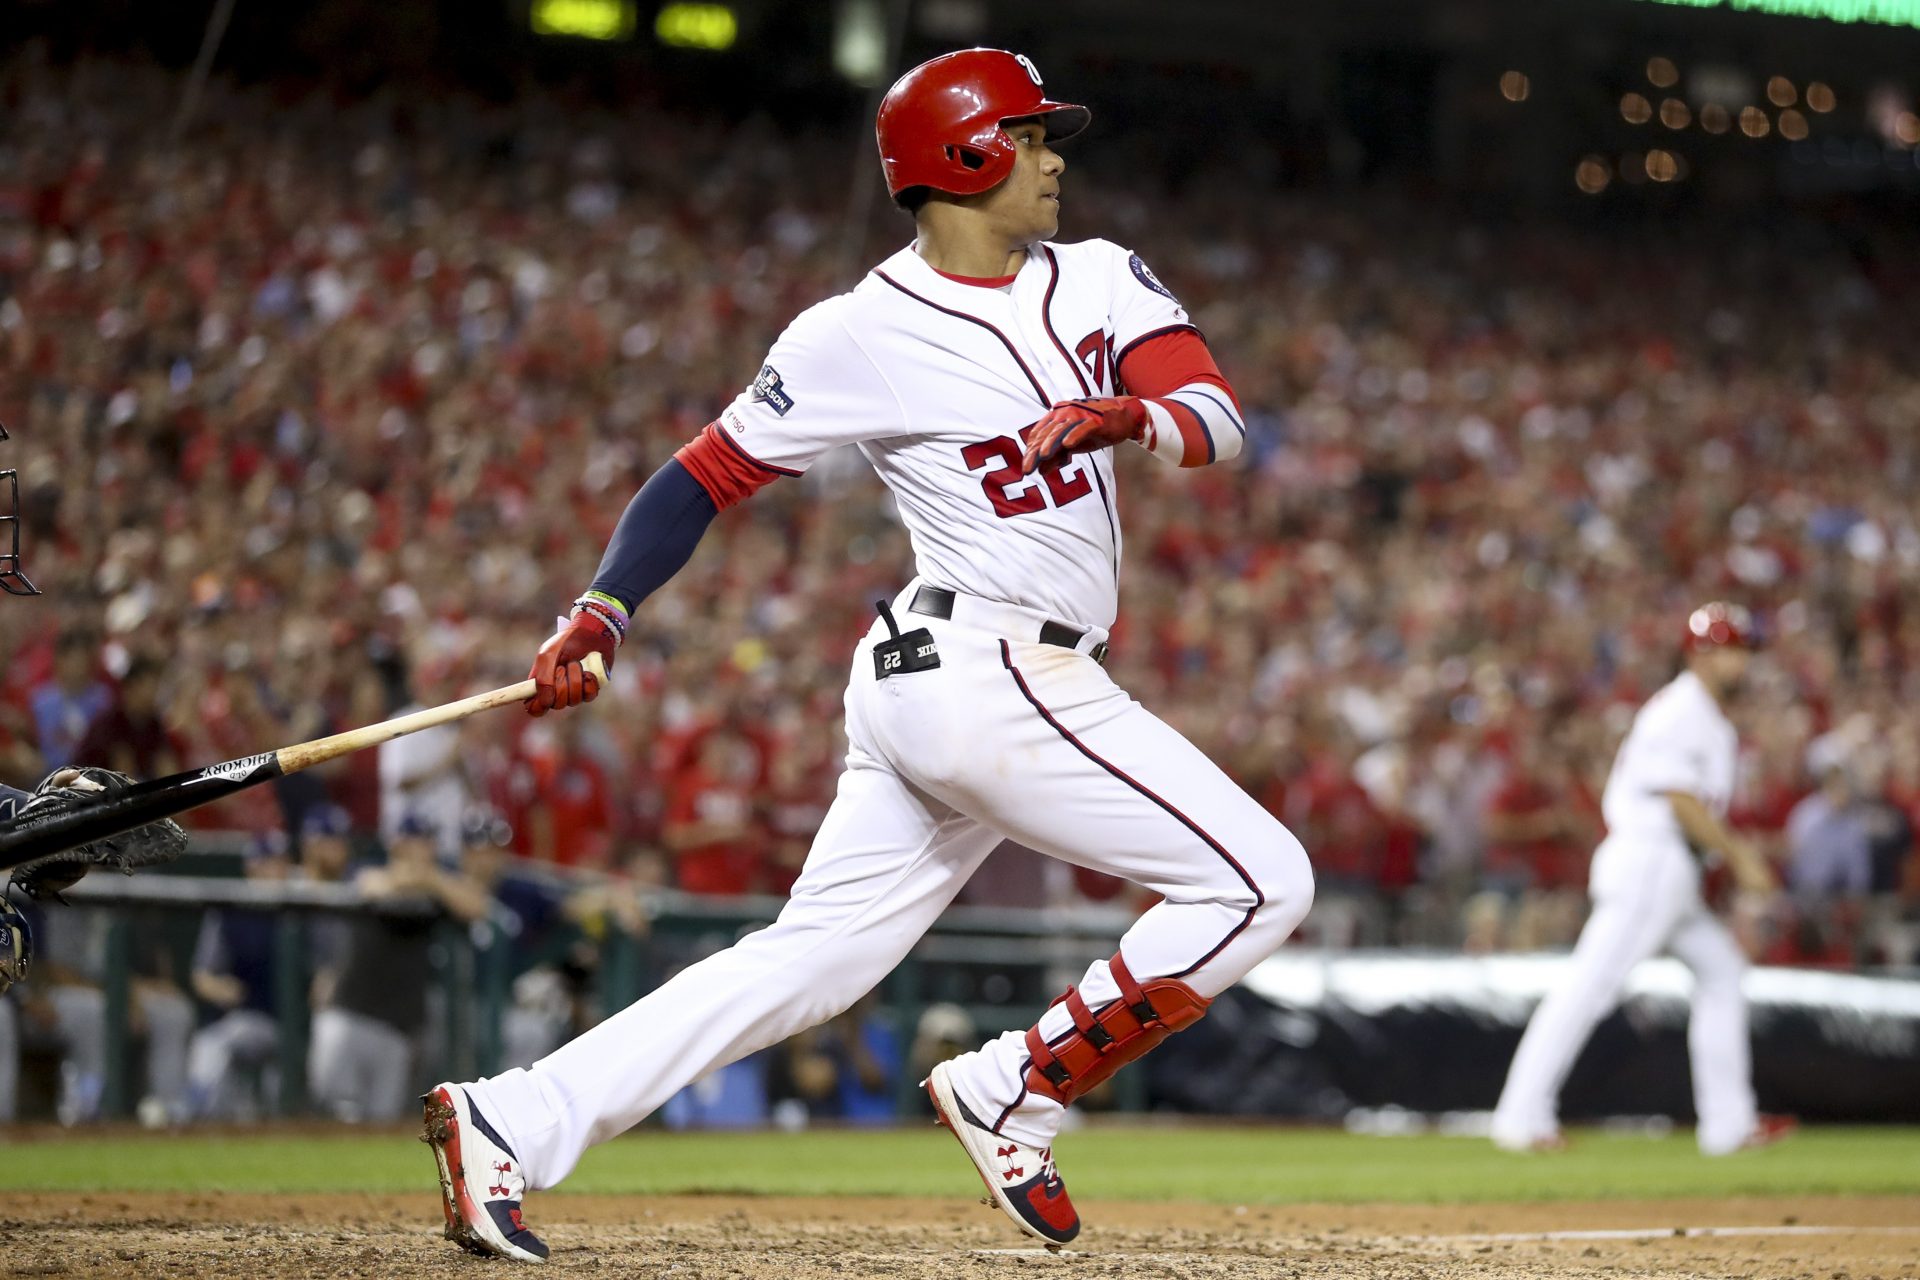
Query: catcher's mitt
{"points": [[65, 790]]}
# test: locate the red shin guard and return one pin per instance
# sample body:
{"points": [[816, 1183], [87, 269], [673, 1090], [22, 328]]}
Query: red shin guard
{"points": [[1101, 1043]]}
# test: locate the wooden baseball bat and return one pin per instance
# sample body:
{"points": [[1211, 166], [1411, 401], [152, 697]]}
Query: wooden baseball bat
{"points": [[33, 835]]}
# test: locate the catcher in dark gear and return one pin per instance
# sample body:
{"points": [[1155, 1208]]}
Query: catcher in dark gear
{"points": [[66, 790]]}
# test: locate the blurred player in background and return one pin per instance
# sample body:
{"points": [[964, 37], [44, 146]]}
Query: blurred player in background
{"points": [[374, 1010], [234, 964], [1665, 807]]}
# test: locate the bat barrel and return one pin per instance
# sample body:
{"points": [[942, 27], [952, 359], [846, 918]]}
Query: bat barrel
{"points": [[40, 831]]}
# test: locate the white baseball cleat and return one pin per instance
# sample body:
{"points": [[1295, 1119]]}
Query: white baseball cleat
{"points": [[1021, 1181], [481, 1181], [1526, 1138], [1769, 1129], [1538, 1144]]}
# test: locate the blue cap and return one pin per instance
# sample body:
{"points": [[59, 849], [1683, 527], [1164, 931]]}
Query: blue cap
{"points": [[414, 824], [326, 820]]}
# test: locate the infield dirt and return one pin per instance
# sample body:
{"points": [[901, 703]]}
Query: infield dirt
{"points": [[717, 1237]]}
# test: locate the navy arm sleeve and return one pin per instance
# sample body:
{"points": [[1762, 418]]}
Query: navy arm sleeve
{"points": [[656, 535]]}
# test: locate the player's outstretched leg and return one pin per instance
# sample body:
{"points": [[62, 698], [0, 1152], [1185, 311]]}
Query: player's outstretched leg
{"points": [[884, 865]]}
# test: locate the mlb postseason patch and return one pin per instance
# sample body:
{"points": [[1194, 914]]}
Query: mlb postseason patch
{"points": [[767, 389], [1145, 276]]}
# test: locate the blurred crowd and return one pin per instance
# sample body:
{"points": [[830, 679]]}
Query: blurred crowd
{"points": [[326, 410]]}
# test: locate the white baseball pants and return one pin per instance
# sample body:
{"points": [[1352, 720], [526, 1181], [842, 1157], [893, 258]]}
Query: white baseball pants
{"points": [[1007, 738], [1646, 898]]}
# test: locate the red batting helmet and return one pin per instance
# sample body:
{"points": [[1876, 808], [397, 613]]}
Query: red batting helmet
{"points": [[939, 126], [1718, 625]]}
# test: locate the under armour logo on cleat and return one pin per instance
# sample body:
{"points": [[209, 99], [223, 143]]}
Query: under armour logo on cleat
{"points": [[503, 1168]]}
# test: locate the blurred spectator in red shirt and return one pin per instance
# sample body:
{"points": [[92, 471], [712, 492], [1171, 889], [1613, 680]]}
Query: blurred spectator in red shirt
{"points": [[19, 760], [799, 788], [131, 735], [1344, 832], [710, 829], [570, 819], [1540, 825]]}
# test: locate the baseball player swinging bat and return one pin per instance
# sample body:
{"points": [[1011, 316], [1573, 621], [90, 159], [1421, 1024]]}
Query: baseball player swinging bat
{"points": [[35, 834]]}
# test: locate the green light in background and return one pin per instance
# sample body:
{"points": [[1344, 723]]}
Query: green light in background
{"points": [[1891, 13], [696, 26], [587, 19]]}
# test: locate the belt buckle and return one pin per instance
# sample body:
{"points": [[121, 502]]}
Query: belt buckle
{"points": [[1099, 653]]}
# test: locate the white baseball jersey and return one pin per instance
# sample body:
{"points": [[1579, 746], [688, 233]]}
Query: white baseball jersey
{"points": [[1646, 899], [1680, 741], [935, 381]]}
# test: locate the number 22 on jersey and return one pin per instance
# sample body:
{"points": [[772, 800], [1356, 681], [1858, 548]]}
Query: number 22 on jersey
{"points": [[1013, 494]]}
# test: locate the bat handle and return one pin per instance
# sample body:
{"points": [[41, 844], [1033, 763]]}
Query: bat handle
{"points": [[595, 666]]}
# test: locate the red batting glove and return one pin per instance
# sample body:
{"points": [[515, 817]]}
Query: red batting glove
{"points": [[1082, 426], [562, 681]]}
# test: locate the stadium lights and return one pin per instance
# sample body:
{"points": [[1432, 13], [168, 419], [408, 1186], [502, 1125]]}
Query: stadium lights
{"points": [[1820, 97], [696, 26], [1665, 166], [1635, 109], [1514, 86], [1592, 175], [583, 19], [1889, 13], [1661, 73], [860, 42]]}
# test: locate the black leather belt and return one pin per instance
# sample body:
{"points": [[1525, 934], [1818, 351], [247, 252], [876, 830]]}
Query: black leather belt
{"points": [[937, 602]]}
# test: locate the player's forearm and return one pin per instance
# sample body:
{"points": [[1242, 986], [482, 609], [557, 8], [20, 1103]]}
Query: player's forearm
{"points": [[221, 989], [1702, 827], [1195, 425], [462, 897], [655, 537]]}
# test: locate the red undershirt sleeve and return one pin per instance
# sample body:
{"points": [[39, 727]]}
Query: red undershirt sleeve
{"points": [[728, 475], [1169, 362]]}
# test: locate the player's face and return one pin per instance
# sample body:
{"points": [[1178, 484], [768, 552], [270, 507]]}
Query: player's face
{"points": [[1026, 207], [1724, 669]]}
